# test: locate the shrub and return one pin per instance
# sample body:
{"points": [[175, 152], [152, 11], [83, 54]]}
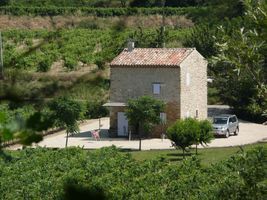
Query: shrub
{"points": [[95, 110], [44, 65], [184, 133], [70, 62]]}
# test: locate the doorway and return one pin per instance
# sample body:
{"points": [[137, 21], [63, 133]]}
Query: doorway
{"points": [[122, 125]]}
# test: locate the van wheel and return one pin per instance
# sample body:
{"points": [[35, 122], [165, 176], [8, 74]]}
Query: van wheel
{"points": [[236, 131], [227, 134]]}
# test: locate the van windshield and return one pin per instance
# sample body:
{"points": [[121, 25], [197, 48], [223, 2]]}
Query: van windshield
{"points": [[220, 120]]}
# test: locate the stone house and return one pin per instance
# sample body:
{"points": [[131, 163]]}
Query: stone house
{"points": [[177, 76]]}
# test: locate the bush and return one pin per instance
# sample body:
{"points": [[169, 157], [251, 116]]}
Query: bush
{"points": [[184, 133], [70, 62], [44, 65], [99, 12], [189, 131], [95, 110]]}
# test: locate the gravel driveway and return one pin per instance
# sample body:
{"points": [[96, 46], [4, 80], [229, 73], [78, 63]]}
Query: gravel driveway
{"points": [[249, 133]]}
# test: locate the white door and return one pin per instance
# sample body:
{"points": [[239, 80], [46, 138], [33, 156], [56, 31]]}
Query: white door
{"points": [[122, 124]]}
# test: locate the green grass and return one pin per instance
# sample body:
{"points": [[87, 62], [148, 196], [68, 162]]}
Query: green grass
{"points": [[207, 156]]}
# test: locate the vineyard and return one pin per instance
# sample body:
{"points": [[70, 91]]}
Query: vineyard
{"points": [[109, 174], [38, 50], [41, 65], [62, 48], [100, 12]]}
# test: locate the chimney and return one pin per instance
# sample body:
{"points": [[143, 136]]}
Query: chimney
{"points": [[130, 46]]}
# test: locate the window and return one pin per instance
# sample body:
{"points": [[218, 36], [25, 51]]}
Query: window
{"points": [[156, 88], [187, 79], [163, 118], [196, 113], [233, 119]]}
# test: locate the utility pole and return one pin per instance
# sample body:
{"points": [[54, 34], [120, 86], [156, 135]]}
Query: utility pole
{"points": [[1, 58]]}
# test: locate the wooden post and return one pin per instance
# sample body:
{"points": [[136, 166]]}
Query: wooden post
{"points": [[67, 139], [130, 135], [140, 143]]}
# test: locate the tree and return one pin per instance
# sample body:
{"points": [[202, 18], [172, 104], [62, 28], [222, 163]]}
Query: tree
{"points": [[16, 129], [184, 133], [143, 113], [40, 120], [123, 3], [4, 2], [66, 113], [242, 57], [205, 134]]}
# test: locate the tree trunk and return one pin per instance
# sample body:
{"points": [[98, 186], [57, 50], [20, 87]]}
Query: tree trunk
{"points": [[140, 143], [196, 149], [67, 139], [140, 137]]}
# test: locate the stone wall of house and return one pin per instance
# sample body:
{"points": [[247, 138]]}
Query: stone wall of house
{"points": [[172, 111], [194, 86], [128, 83]]}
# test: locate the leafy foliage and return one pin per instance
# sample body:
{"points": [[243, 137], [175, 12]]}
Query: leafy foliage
{"points": [[52, 174], [66, 113], [71, 46], [99, 12], [86, 46], [171, 3], [15, 126], [95, 110], [237, 51], [242, 57], [206, 132], [143, 113], [184, 133], [187, 132]]}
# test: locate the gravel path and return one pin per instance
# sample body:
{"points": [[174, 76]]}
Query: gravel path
{"points": [[249, 133]]}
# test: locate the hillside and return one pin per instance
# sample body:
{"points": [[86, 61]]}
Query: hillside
{"points": [[53, 48]]}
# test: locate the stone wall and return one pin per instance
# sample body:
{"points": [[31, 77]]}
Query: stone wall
{"points": [[172, 111], [128, 83], [194, 86]]}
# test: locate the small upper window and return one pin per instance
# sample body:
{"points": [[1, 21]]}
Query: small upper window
{"points": [[156, 88], [196, 113], [187, 79]]}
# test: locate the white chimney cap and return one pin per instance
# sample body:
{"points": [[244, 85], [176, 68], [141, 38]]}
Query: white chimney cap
{"points": [[130, 46]]}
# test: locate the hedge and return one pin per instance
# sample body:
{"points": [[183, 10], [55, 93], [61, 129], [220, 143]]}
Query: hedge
{"points": [[99, 12]]}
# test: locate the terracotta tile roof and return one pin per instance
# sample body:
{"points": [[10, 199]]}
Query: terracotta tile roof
{"points": [[141, 57]]}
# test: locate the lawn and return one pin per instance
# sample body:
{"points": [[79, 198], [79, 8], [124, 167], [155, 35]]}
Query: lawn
{"points": [[207, 156]]}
